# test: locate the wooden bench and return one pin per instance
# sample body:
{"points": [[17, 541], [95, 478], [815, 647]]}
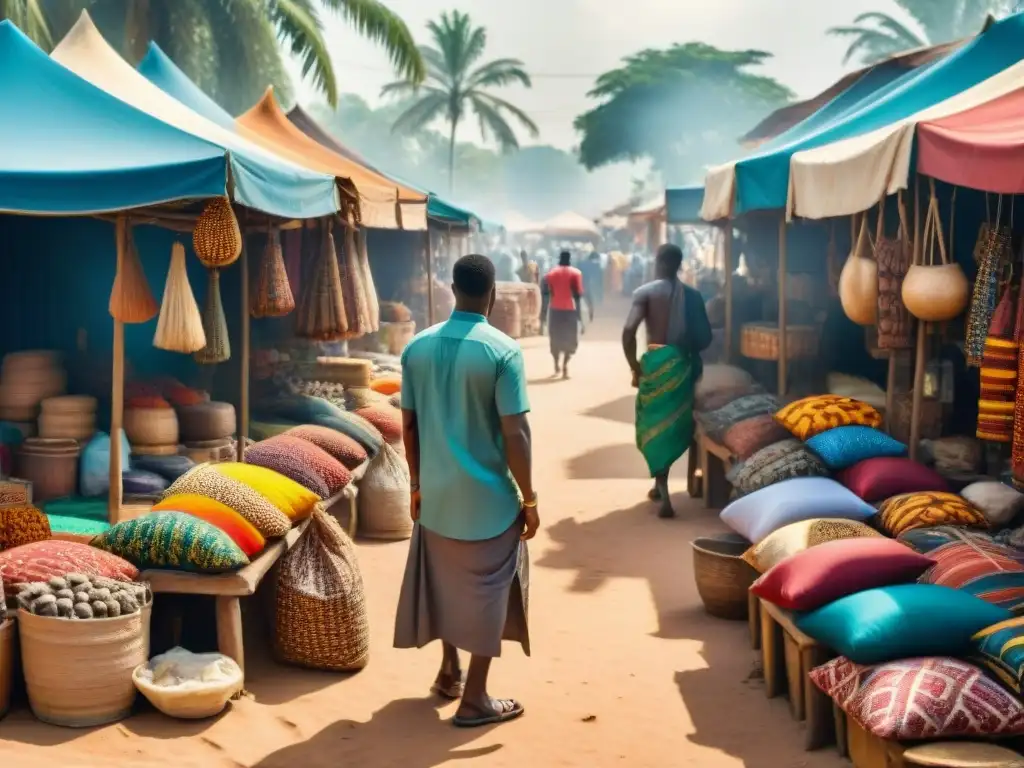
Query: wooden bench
{"points": [[709, 462]]}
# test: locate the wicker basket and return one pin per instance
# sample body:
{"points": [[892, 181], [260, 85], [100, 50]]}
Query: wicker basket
{"points": [[74, 426], [15, 492], [760, 341], [151, 426], [206, 421], [507, 316], [348, 371], [68, 404], [79, 673], [191, 703], [50, 465], [7, 630], [723, 577]]}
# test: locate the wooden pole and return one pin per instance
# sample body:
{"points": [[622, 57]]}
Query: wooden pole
{"points": [[117, 392], [429, 256], [783, 335], [922, 335], [243, 399], [729, 268]]}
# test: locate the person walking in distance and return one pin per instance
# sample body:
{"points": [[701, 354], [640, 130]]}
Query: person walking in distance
{"points": [[467, 439], [677, 331], [562, 294]]}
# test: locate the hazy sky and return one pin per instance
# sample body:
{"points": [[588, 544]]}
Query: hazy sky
{"points": [[565, 43]]}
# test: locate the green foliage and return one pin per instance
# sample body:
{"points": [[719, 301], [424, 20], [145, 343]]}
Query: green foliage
{"points": [[29, 17], [681, 107]]}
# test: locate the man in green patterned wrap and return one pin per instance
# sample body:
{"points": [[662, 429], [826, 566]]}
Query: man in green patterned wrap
{"points": [[677, 329]]}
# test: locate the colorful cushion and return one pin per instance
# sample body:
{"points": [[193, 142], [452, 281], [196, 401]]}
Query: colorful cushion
{"points": [[718, 378], [342, 447], [761, 513], [814, 415], [835, 569], [386, 419], [295, 501], [881, 478], [750, 436], [716, 423], [921, 698], [797, 537], [784, 460], [309, 466], [989, 571], [900, 621], [386, 385], [356, 427], [173, 540], [266, 518], [843, 447], [43, 560], [998, 502], [22, 524], [927, 540], [923, 510], [241, 531], [1000, 649], [720, 398]]}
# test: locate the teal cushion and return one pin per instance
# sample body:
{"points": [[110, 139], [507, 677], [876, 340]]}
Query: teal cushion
{"points": [[173, 540], [899, 622], [843, 447], [1000, 649]]}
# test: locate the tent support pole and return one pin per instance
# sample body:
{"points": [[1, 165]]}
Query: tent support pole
{"points": [[728, 266], [243, 399], [890, 389], [783, 332], [117, 394], [428, 255], [915, 411]]}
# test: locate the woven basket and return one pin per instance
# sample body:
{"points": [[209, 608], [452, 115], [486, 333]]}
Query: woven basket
{"points": [[79, 673], [68, 404], [15, 492], [211, 451], [216, 237], [150, 426], [272, 296], [760, 341], [215, 325], [190, 703], [51, 466], [206, 421], [75, 426], [507, 316], [723, 577], [7, 637]]}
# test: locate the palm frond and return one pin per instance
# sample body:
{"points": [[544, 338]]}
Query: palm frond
{"points": [[376, 21], [895, 28], [492, 123], [30, 18], [399, 89], [299, 27], [499, 73], [503, 106], [421, 113]]}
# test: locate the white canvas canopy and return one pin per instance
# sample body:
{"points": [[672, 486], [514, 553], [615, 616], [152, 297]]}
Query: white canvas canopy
{"points": [[570, 226]]}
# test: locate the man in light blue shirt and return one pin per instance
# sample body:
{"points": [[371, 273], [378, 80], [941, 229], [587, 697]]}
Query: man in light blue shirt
{"points": [[467, 439]]}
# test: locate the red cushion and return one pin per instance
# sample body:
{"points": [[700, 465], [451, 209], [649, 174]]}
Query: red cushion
{"points": [[387, 420], [835, 569], [887, 476]]}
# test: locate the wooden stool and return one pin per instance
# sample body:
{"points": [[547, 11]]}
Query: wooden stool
{"points": [[715, 461], [866, 750], [962, 754]]}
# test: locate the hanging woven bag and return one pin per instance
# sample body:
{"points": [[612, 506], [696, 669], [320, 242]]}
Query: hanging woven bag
{"points": [[893, 256], [361, 309], [180, 327], [858, 282], [320, 313], [363, 261], [215, 325], [216, 237], [273, 294], [131, 300]]}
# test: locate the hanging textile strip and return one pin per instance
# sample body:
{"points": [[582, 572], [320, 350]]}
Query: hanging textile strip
{"points": [[999, 374], [895, 322], [992, 252]]}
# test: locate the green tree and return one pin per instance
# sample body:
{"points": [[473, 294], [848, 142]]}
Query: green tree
{"points": [[456, 85], [233, 48], [875, 36], [29, 16], [681, 108]]}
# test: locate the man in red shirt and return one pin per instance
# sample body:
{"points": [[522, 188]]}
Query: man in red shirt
{"points": [[562, 294]]}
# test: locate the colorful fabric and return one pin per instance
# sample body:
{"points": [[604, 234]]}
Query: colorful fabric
{"points": [[241, 531], [814, 415], [266, 518], [843, 447], [295, 501], [22, 524], [783, 460], [751, 435], [987, 570], [901, 621], [386, 419], [309, 466], [342, 447], [998, 379], [355, 427], [925, 510], [1000, 650], [927, 540], [173, 540], [921, 698], [43, 560], [387, 385], [881, 478], [799, 537], [716, 423], [664, 407]]}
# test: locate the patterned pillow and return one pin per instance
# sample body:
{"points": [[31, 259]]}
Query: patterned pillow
{"points": [[843, 447], [748, 437], [719, 398], [717, 423], [173, 540], [386, 419], [924, 510], [717, 378], [925, 540], [923, 698], [270, 521], [23, 524], [1000, 649], [988, 571], [290, 498], [797, 537], [784, 460], [309, 466], [356, 427], [45, 559], [814, 415], [241, 531], [342, 447]]}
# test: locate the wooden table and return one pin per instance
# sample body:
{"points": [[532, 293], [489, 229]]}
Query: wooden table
{"points": [[713, 460]]}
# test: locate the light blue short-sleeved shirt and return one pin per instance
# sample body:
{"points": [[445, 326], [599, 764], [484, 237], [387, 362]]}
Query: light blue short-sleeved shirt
{"points": [[461, 377]]}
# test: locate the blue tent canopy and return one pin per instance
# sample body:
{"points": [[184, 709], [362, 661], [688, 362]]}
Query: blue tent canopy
{"points": [[66, 147], [682, 205], [762, 181]]}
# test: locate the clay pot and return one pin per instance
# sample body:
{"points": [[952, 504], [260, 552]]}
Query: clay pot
{"points": [[206, 421]]}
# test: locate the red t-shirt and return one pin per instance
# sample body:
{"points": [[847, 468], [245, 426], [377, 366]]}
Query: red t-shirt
{"points": [[562, 282]]}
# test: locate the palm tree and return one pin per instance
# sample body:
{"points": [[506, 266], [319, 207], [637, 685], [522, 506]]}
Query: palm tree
{"points": [[455, 86], [876, 36], [231, 48]]}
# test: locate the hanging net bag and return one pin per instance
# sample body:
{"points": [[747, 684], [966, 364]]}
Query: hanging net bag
{"points": [[215, 325], [273, 293], [180, 327], [216, 237], [321, 309], [131, 301]]}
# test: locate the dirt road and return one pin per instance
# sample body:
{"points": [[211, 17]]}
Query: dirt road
{"points": [[627, 670]]}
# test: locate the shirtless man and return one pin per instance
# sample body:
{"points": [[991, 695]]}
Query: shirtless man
{"points": [[677, 331]]}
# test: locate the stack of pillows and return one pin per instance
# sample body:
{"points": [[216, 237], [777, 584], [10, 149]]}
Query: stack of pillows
{"points": [[900, 577]]}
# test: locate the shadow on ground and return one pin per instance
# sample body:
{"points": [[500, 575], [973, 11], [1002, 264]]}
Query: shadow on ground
{"points": [[620, 462], [622, 410]]}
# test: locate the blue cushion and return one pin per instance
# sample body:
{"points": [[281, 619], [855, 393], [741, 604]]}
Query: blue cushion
{"points": [[761, 513], [843, 447], [899, 622]]}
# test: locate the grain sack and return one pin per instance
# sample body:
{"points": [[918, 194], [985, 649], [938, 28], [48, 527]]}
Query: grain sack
{"points": [[321, 607], [384, 497]]}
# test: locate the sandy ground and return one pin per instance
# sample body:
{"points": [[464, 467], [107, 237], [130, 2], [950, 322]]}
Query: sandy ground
{"points": [[627, 669]]}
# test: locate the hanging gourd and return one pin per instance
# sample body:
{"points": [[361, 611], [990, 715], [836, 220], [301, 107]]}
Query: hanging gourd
{"points": [[180, 327], [131, 301], [321, 309], [858, 282], [216, 237], [215, 325], [273, 294], [936, 290]]}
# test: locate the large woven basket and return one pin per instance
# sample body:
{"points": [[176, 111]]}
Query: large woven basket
{"points": [[79, 673], [7, 638], [507, 316], [150, 426], [723, 577], [760, 341]]}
